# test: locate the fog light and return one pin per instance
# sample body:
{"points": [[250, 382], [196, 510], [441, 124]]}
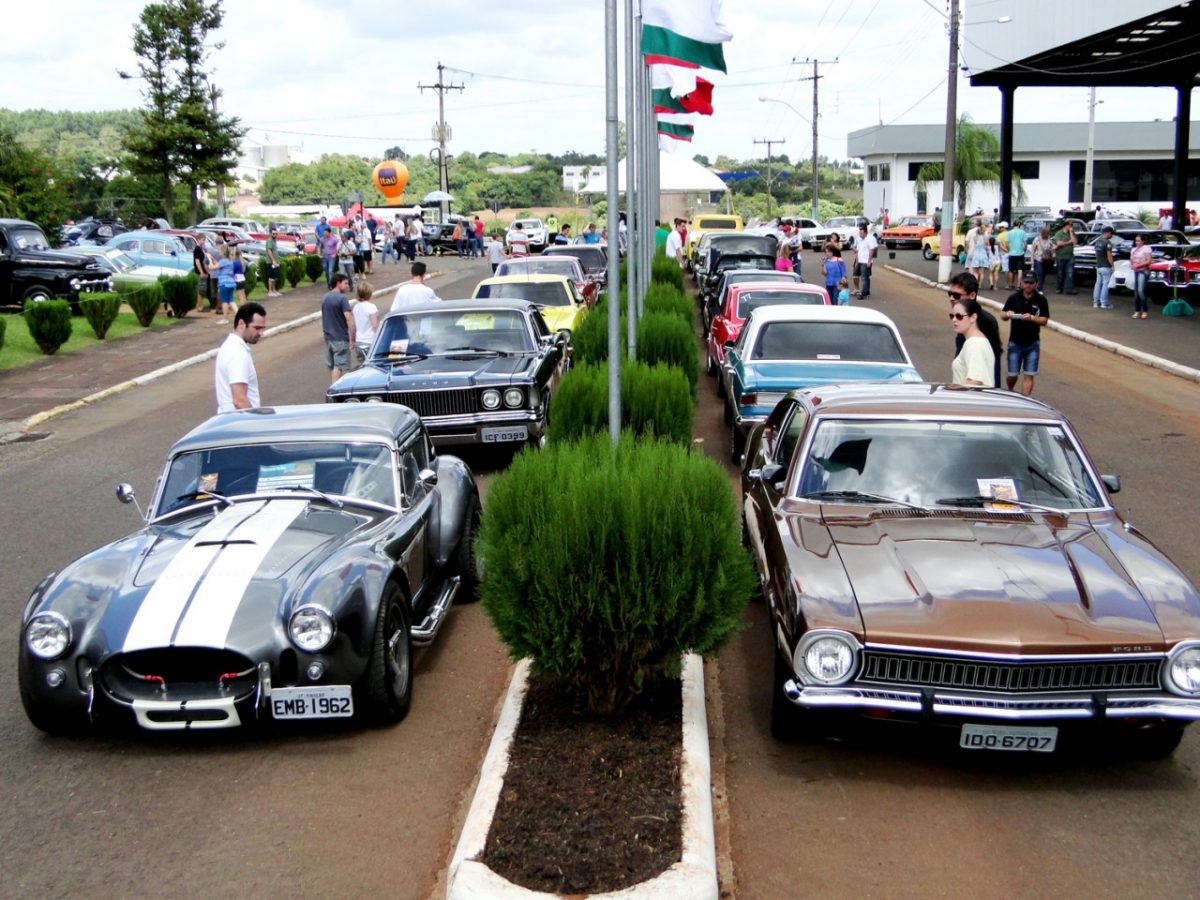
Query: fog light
{"points": [[315, 671], [55, 678]]}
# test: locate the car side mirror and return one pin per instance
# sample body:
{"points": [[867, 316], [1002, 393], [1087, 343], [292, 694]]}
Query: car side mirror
{"points": [[126, 495], [768, 474], [727, 346], [428, 477], [1112, 482]]}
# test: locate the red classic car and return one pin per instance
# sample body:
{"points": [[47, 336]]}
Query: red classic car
{"points": [[907, 232], [1170, 276], [741, 299], [949, 556]]}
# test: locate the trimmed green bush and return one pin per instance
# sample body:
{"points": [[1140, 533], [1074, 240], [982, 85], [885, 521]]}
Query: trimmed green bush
{"points": [[101, 311], [662, 297], [251, 279], [656, 401], [49, 323], [3, 328], [314, 267], [665, 337], [293, 269], [667, 271], [604, 570], [262, 268], [179, 293], [589, 342], [145, 303]]}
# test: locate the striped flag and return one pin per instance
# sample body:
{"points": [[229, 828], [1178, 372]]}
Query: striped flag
{"points": [[684, 33], [697, 101], [675, 127]]}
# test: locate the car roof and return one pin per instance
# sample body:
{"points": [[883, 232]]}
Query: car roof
{"points": [[468, 305], [786, 313], [145, 233], [532, 278], [341, 422], [921, 399], [795, 287]]}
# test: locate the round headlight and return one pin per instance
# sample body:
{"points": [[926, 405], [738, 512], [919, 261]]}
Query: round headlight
{"points": [[1183, 670], [374, 398], [828, 658], [48, 635], [75, 284], [514, 397], [353, 400], [311, 628], [491, 399]]}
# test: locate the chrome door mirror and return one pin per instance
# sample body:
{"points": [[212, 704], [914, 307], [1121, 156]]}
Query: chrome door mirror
{"points": [[428, 477], [1112, 482], [126, 495]]}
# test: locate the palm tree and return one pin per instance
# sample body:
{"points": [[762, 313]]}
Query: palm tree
{"points": [[976, 161]]}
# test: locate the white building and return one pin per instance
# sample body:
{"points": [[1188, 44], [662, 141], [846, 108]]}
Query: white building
{"points": [[1132, 169], [256, 159]]}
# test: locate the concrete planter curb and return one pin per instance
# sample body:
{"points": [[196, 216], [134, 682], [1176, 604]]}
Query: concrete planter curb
{"points": [[693, 877]]}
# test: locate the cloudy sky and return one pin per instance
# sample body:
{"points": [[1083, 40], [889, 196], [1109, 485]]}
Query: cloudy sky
{"points": [[342, 77]]}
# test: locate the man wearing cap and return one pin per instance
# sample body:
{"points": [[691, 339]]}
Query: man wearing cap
{"points": [[1104, 268], [1028, 311]]}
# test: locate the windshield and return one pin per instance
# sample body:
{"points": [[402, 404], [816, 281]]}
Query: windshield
{"points": [[927, 461], [28, 239], [748, 301], [828, 342], [527, 224], [123, 262], [840, 222], [544, 293], [914, 220], [539, 265], [358, 471], [715, 224], [434, 333]]}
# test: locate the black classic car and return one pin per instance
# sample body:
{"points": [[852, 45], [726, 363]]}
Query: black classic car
{"points": [[30, 270], [290, 560], [726, 261], [719, 246], [477, 372]]}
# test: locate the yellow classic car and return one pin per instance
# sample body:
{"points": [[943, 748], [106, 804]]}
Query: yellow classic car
{"points": [[705, 222], [561, 303], [931, 246]]}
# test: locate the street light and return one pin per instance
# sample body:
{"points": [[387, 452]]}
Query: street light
{"points": [[814, 143]]}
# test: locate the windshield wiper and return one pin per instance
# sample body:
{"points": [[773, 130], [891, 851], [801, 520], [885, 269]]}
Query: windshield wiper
{"points": [[205, 495], [453, 350], [395, 360], [860, 496], [976, 500], [332, 501]]}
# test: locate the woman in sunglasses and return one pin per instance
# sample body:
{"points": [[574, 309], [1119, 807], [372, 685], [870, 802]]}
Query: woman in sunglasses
{"points": [[976, 361]]}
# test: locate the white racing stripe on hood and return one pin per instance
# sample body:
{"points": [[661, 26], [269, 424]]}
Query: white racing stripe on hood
{"points": [[182, 585]]}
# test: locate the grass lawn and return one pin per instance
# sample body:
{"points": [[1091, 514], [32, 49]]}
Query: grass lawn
{"points": [[19, 348]]}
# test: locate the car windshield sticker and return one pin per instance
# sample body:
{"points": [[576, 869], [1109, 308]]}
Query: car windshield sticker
{"points": [[477, 321], [829, 356], [398, 348], [1000, 489], [285, 475], [207, 482]]}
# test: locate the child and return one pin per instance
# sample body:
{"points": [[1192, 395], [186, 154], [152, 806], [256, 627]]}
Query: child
{"points": [[994, 262], [843, 294], [239, 279]]}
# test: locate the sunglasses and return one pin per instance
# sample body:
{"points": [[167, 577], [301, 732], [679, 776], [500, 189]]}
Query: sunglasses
{"points": [[955, 295], [958, 317]]}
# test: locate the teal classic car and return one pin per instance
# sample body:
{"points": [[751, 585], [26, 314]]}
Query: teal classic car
{"points": [[782, 348]]}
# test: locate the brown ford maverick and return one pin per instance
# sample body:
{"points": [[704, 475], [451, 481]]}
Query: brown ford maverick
{"points": [[950, 555]]}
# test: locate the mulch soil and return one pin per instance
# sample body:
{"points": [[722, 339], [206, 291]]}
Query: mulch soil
{"points": [[590, 805]]}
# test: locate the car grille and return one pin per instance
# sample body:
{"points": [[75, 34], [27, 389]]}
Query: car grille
{"points": [[887, 667], [151, 674], [438, 403]]}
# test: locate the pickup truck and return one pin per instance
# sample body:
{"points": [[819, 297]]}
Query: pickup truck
{"points": [[30, 270]]}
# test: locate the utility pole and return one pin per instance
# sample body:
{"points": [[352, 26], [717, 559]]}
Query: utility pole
{"points": [[1091, 150], [212, 94], [815, 78], [441, 132], [769, 143], [948, 175]]}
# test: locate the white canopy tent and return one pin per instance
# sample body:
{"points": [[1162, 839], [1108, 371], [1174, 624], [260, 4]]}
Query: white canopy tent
{"points": [[678, 175]]}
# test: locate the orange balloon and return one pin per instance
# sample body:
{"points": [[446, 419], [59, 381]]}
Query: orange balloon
{"points": [[391, 177]]}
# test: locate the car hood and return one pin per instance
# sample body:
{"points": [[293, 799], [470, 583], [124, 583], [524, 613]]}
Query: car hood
{"points": [[561, 317], [438, 372], [206, 580], [786, 375], [987, 583], [59, 260]]}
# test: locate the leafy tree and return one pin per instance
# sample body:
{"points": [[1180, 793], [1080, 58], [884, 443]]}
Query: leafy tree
{"points": [[396, 153], [29, 186], [976, 161], [150, 142]]}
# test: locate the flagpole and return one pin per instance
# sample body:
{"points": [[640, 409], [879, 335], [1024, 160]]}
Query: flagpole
{"points": [[649, 155], [614, 278], [634, 272]]}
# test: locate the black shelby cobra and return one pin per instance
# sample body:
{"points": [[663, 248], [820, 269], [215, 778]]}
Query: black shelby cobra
{"points": [[291, 559]]}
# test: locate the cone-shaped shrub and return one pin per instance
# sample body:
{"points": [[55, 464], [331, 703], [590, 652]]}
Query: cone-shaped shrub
{"points": [[313, 267], [667, 271], [101, 311], [665, 298], [262, 268], [49, 323], [293, 269], [589, 342], [180, 294], [666, 338], [655, 401], [3, 328], [145, 302], [605, 564]]}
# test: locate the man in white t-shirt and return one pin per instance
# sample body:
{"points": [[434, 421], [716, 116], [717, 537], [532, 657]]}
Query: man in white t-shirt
{"points": [[864, 256], [518, 241], [236, 380], [674, 245], [416, 291]]}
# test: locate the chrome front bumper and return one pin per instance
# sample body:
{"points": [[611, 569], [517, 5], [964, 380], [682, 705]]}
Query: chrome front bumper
{"points": [[1007, 707]]}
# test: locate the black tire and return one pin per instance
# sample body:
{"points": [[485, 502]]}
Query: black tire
{"points": [[926, 252], [728, 412], [1156, 741], [710, 364], [386, 690], [466, 564], [737, 444], [787, 719], [891, 245]]}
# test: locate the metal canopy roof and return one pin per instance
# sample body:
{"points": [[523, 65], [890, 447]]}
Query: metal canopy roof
{"points": [[1156, 50]]}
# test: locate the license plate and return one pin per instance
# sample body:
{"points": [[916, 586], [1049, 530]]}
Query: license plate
{"points": [[325, 702], [1008, 737], [497, 435]]}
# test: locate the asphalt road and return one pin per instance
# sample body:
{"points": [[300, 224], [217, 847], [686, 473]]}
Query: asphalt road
{"points": [[367, 812]]}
